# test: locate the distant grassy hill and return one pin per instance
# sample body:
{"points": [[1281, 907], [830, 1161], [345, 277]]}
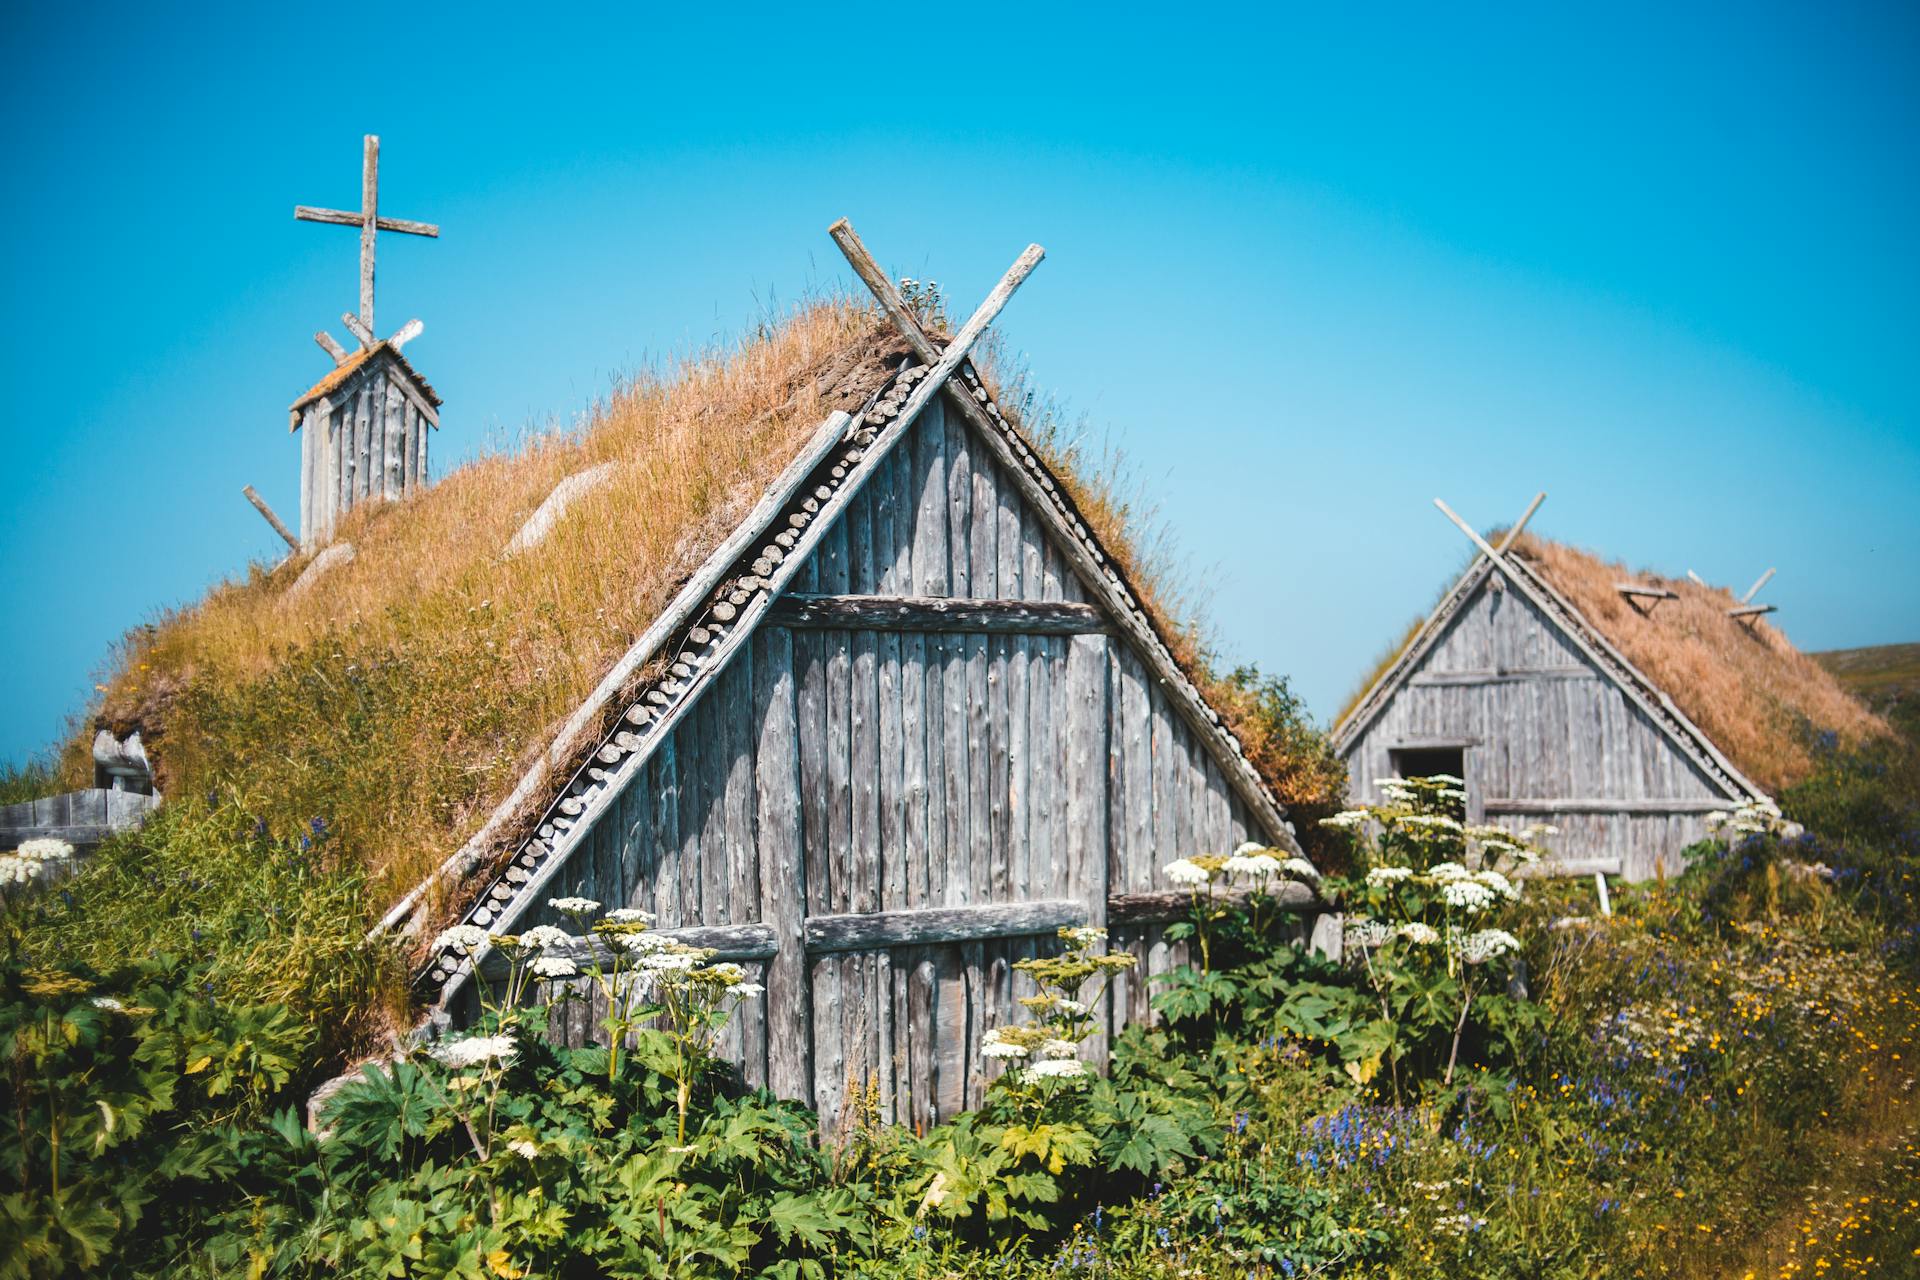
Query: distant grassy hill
{"points": [[1881, 675]]}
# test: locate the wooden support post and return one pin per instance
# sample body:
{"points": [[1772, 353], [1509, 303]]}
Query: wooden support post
{"points": [[332, 348], [405, 333], [358, 328], [1754, 590], [260, 505]]}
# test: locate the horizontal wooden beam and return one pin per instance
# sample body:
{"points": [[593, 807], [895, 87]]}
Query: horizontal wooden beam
{"points": [[87, 836], [1751, 610], [1650, 593], [874, 930], [1162, 905], [1567, 868], [1602, 804], [348, 218], [1417, 743], [1510, 675], [937, 613]]}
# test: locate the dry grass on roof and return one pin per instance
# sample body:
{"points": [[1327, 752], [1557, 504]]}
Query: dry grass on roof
{"points": [[1744, 684], [401, 699]]}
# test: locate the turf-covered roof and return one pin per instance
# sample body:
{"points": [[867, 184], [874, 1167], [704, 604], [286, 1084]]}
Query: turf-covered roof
{"points": [[405, 702], [1741, 691]]}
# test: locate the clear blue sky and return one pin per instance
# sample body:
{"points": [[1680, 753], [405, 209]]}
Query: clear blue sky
{"points": [[1310, 271]]}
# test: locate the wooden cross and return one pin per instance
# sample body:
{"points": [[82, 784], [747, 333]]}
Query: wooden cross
{"points": [[370, 222]]}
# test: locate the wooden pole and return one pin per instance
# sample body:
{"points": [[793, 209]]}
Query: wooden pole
{"points": [[406, 333], [260, 505], [1527, 515], [332, 348], [369, 217], [357, 329], [1467, 529], [1754, 590]]}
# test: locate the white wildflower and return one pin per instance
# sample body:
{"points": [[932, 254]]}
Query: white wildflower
{"points": [[1380, 876], [1478, 948], [1057, 1048], [462, 937], [629, 915], [1056, 1069], [1445, 871], [471, 1051], [1363, 931], [746, 990], [1186, 871], [552, 967], [1084, 936], [640, 944], [1469, 895], [1255, 866], [670, 962], [108, 1003], [1301, 869], [1498, 883], [45, 849], [1421, 935], [1347, 819], [544, 935], [524, 1149], [995, 1045], [574, 906]]}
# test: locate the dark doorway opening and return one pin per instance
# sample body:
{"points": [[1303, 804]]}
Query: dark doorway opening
{"points": [[1425, 762]]}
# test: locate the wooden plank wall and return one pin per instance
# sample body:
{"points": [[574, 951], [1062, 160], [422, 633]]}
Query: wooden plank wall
{"points": [[837, 771], [368, 439], [1543, 724]]}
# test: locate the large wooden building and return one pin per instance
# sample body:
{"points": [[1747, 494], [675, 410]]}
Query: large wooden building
{"points": [[1532, 680], [906, 721]]}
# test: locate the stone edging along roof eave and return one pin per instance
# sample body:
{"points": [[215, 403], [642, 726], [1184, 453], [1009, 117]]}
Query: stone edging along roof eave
{"points": [[1642, 691], [706, 624]]}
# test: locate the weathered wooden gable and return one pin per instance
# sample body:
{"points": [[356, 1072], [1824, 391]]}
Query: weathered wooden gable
{"points": [[1549, 734], [862, 756]]}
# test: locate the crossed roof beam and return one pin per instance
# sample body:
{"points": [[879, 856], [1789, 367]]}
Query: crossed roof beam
{"points": [[1495, 554]]}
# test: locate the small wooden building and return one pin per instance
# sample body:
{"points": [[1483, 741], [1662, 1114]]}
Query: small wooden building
{"points": [[1535, 701], [905, 723], [366, 427]]}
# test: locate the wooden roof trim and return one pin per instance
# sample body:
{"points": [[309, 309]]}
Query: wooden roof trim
{"points": [[591, 713], [1109, 586], [340, 374], [712, 630], [1374, 701], [1652, 698], [1090, 563]]}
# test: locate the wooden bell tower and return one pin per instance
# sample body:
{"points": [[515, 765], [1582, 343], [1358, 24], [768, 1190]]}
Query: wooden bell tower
{"points": [[368, 420]]}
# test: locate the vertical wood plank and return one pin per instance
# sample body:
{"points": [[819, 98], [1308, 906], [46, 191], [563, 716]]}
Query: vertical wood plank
{"points": [[810, 678]]}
